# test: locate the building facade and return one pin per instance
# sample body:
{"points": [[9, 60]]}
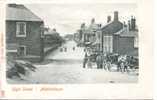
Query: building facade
{"points": [[24, 33]]}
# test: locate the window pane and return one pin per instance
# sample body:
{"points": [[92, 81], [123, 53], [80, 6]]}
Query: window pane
{"points": [[22, 26]]}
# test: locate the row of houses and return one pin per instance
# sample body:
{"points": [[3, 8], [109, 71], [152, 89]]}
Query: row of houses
{"points": [[114, 37], [25, 34]]}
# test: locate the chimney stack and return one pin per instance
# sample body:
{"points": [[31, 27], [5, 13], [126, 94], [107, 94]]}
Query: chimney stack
{"points": [[133, 23], [115, 15], [100, 25], [54, 30], [129, 25], [124, 24], [82, 25], [93, 21], [108, 19]]}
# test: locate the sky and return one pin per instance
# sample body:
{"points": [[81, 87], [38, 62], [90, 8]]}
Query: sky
{"points": [[67, 18]]}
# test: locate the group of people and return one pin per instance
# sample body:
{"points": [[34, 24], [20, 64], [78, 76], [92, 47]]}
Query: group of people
{"points": [[106, 61], [64, 49]]}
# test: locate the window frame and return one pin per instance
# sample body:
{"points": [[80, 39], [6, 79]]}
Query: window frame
{"points": [[108, 44], [18, 28]]}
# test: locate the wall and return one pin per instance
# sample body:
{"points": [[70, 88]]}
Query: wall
{"points": [[126, 45], [115, 43]]}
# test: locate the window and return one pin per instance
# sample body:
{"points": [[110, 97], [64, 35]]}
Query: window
{"points": [[22, 50], [108, 44], [21, 29]]}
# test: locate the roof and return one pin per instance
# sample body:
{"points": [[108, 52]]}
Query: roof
{"points": [[91, 29], [112, 27], [129, 34], [125, 33], [20, 13]]}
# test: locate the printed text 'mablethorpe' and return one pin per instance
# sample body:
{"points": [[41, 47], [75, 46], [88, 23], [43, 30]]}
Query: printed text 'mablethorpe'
{"points": [[51, 89]]}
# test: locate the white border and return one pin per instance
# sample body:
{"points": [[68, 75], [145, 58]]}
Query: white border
{"points": [[141, 90]]}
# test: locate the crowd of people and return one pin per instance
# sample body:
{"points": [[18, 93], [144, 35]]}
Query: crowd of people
{"points": [[107, 60]]}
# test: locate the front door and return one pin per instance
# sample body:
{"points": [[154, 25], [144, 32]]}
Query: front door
{"points": [[22, 50]]}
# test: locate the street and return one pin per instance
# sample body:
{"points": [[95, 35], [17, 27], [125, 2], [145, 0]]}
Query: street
{"points": [[66, 68]]}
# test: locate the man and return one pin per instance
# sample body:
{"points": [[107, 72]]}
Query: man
{"points": [[99, 61]]}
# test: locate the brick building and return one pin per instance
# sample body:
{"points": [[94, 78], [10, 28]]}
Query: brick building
{"points": [[117, 37], [23, 33]]}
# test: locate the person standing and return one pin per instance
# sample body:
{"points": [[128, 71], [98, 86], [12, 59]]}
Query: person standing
{"points": [[104, 62], [73, 48], [65, 49], [61, 49], [85, 60]]}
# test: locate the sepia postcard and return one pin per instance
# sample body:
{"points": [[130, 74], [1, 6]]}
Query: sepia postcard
{"points": [[85, 49]]}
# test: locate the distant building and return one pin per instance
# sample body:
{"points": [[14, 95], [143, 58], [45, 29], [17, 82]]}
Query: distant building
{"points": [[90, 35], [23, 33], [69, 37], [49, 37], [52, 40]]}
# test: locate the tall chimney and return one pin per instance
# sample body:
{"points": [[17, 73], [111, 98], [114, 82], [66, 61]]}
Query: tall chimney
{"points": [[115, 15], [108, 19], [133, 23], [129, 25]]}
